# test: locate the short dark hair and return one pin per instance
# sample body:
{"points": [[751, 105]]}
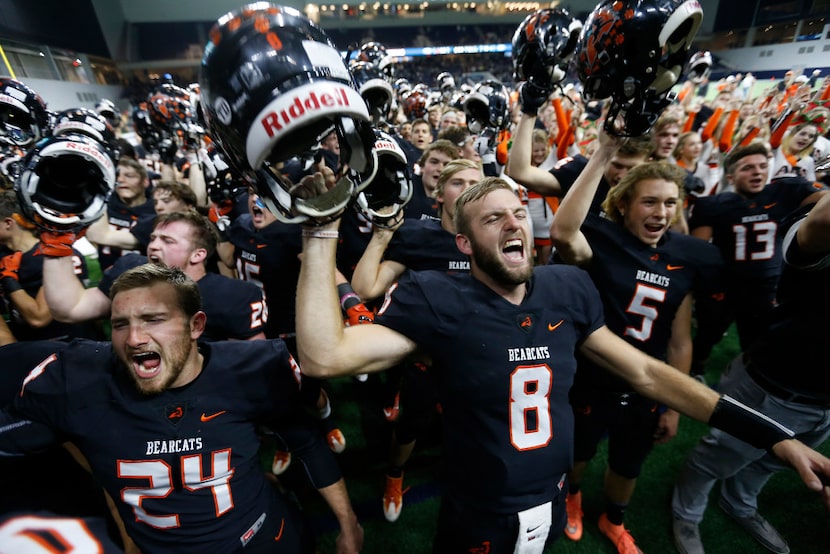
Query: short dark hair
{"points": [[751, 149], [177, 190], [8, 204], [441, 145], [636, 146], [144, 276], [135, 165], [456, 134], [203, 232]]}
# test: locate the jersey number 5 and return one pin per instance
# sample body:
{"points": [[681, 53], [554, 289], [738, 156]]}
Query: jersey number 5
{"points": [[649, 313]]}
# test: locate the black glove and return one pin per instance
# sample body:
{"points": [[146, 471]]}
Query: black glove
{"points": [[168, 150], [532, 97]]}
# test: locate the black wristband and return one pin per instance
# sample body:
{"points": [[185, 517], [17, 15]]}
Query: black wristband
{"points": [[348, 297], [747, 424], [10, 285]]}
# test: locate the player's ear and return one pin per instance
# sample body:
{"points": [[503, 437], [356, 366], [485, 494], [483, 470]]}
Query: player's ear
{"points": [[621, 205], [198, 256], [463, 244], [197, 324]]}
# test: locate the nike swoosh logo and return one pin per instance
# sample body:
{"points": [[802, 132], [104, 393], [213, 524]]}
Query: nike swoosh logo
{"points": [[211, 416], [768, 206], [530, 530], [673, 267], [261, 245], [552, 327]]}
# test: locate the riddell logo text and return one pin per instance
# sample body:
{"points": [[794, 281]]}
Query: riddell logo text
{"points": [[91, 151], [274, 121]]}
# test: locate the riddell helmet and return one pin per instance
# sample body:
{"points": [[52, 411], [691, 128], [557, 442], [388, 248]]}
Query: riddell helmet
{"points": [[170, 108], [487, 107], [65, 181], [402, 87], [273, 85], [445, 81], [88, 123], [633, 51], [109, 111], [221, 180], [23, 116], [543, 45], [10, 159], [375, 53], [374, 88], [415, 105], [391, 185], [699, 65]]}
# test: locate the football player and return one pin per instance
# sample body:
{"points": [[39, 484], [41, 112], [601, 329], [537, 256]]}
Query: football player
{"points": [[783, 375], [169, 427], [502, 341], [418, 245], [180, 239], [645, 275], [744, 225]]}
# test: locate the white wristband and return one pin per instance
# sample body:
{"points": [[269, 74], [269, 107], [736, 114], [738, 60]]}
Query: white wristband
{"points": [[321, 234]]}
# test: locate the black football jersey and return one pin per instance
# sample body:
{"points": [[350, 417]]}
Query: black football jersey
{"points": [[36, 532], [746, 230], [504, 372], [420, 206], [421, 244], [142, 231], [355, 234], [182, 465], [793, 353], [566, 172], [235, 309], [642, 287], [122, 216], [269, 259]]}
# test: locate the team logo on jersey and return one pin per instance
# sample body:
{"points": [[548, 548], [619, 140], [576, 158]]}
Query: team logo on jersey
{"points": [[526, 322], [175, 412]]}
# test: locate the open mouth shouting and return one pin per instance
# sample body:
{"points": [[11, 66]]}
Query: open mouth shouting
{"points": [[514, 251], [146, 365]]}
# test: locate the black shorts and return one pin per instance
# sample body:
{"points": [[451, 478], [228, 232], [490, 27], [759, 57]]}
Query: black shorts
{"points": [[628, 420]]}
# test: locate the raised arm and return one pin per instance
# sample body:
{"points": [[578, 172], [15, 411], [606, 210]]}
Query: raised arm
{"points": [[326, 348], [101, 232], [565, 232], [519, 167], [372, 275], [66, 296]]}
